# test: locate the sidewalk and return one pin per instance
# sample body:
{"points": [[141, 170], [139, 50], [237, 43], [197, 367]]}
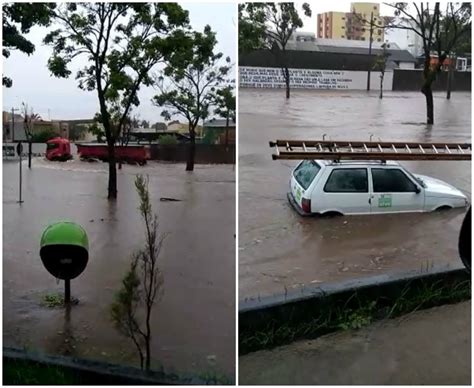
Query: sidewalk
{"points": [[427, 347]]}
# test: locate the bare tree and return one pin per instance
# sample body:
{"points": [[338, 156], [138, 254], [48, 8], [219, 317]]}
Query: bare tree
{"points": [[142, 285], [29, 118], [439, 32], [381, 65]]}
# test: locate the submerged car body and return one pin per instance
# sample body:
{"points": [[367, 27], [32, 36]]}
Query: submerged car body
{"points": [[367, 187]]}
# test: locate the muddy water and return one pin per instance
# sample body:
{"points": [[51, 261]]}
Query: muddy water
{"points": [[194, 323], [280, 250]]}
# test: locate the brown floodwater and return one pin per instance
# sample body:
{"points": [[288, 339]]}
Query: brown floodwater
{"points": [[193, 324], [280, 250]]}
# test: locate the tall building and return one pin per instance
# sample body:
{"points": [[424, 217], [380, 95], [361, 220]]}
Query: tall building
{"points": [[351, 25]]}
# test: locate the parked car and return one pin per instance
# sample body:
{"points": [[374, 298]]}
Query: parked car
{"points": [[367, 187]]}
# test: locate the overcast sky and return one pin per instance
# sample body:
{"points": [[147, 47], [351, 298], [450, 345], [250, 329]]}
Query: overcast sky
{"points": [[61, 98]]}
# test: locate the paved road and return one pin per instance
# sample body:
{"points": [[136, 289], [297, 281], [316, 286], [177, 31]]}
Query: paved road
{"points": [[430, 347], [194, 324], [278, 249]]}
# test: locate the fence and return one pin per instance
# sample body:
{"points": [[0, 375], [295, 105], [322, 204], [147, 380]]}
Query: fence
{"points": [[205, 153]]}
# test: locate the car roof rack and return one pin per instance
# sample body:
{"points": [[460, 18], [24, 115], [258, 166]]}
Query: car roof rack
{"points": [[369, 150]]}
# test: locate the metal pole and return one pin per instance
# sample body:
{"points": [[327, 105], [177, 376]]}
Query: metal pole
{"points": [[370, 48], [21, 180], [67, 291], [13, 124]]}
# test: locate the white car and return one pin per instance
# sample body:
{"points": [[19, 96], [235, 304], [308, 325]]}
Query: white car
{"points": [[367, 187]]}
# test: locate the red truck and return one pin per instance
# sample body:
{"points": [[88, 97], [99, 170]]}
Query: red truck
{"points": [[127, 154], [58, 149]]}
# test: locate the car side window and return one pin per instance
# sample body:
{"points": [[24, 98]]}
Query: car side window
{"points": [[391, 181], [347, 180]]}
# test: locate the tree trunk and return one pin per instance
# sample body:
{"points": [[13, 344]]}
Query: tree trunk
{"points": [[381, 86], [191, 150], [426, 90], [227, 132], [287, 82], [29, 153], [112, 191], [428, 78], [448, 86]]}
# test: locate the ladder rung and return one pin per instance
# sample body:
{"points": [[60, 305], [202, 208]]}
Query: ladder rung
{"points": [[447, 149], [422, 150], [435, 150], [408, 148], [460, 149]]}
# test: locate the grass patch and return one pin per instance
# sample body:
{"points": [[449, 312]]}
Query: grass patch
{"points": [[55, 300], [353, 312], [31, 373]]}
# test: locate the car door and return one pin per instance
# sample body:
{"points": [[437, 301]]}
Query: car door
{"points": [[394, 191], [346, 190]]}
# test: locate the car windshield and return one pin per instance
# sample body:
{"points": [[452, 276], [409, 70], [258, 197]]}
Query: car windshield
{"points": [[51, 146], [306, 172], [419, 180]]}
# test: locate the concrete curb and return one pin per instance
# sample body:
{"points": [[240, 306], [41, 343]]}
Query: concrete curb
{"points": [[257, 313], [97, 372]]}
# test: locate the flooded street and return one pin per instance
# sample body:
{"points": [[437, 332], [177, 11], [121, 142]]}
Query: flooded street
{"points": [[279, 250], [193, 324]]}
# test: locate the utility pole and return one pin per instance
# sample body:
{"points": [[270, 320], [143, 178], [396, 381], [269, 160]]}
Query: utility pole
{"points": [[370, 48]]}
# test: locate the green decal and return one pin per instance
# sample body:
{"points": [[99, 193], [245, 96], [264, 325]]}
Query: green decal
{"points": [[385, 201], [298, 194]]}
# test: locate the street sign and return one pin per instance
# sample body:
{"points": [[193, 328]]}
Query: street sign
{"points": [[19, 149], [65, 252]]}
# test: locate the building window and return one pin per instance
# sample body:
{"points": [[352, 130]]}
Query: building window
{"points": [[379, 40], [343, 27], [342, 36], [349, 38], [343, 18], [362, 38], [363, 30], [375, 7]]}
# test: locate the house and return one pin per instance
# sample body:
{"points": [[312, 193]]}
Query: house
{"points": [[216, 131], [18, 133]]}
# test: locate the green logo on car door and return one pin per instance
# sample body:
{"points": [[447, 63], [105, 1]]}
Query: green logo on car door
{"points": [[385, 200]]}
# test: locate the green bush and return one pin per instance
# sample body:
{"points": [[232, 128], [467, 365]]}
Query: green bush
{"points": [[168, 140], [44, 135]]}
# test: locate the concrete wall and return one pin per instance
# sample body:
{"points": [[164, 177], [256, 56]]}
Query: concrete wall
{"points": [[266, 77], [205, 153], [412, 80]]}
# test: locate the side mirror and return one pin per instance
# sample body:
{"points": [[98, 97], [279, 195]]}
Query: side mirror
{"points": [[417, 190]]}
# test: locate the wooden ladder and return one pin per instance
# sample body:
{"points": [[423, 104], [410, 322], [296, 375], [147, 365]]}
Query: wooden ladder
{"points": [[369, 150]]}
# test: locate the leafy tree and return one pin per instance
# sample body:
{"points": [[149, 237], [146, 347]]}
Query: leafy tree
{"points": [[381, 65], [225, 107], [18, 19], [440, 34], [122, 43], [44, 135], [270, 26], [76, 132], [142, 284], [194, 76], [97, 130], [145, 124]]}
